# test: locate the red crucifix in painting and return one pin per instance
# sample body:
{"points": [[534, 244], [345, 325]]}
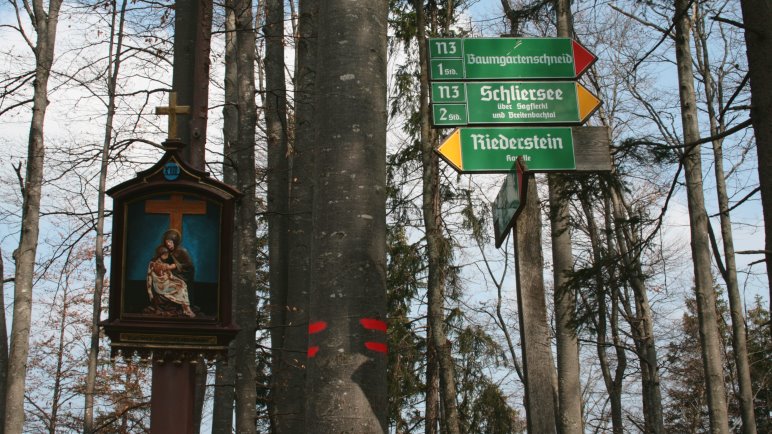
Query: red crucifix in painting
{"points": [[170, 271]]}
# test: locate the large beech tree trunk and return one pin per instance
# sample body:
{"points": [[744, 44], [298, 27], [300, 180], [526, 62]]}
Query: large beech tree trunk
{"points": [[346, 384], [45, 25], [698, 223]]}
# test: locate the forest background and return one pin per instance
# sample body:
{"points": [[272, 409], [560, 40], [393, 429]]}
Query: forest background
{"points": [[629, 229]]}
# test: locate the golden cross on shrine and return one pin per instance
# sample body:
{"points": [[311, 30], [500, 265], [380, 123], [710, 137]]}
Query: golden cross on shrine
{"points": [[176, 207], [172, 110]]}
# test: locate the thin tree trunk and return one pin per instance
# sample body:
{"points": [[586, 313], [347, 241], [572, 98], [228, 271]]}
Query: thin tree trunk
{"points": [[3, 345], [437, 246], [642, 322], [290, 415], [346, 383], [276, 122], [569, 386], [757, 14], [540, 376], [244, 160], [613, 383], [56, 393], [113, 68], [225, 374], [45, 25], [432, 391], [698, 222], [739, 339]]}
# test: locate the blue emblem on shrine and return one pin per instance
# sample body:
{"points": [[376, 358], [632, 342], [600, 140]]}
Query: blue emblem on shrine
{"points": [[171, 171]]}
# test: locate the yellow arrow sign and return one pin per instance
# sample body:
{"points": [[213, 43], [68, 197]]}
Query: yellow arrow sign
{"points": [[450, 150]]}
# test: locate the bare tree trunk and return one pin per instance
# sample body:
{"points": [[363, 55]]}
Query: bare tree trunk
{"points": [[225, 375], [613, 383], [346, 384], [729, 270], [244, 160], [642, 325], [3, 345], [290, 412], [45, 26], [569, 386], [698, 220], [437, 245], [113, 68], [540, 376], [278, 196], [432, 391], [757, 14]]}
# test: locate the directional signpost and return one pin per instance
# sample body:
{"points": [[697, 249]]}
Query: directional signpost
{"points": [[515, 99], [512, 102], [507, 58]]}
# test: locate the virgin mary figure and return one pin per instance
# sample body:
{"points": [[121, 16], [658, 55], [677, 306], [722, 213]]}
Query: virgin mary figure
{"points": [[176, 261]]}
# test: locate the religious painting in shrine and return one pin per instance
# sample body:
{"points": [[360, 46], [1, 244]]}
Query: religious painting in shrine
{"points": [[172, 256]]}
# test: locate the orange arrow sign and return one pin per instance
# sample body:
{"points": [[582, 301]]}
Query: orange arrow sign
{"points": [[450, 150], [586, 101]]}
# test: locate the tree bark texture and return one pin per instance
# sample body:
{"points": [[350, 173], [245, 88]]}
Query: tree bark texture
{"points": [[436, 245], [540, 375], [569, 385], [698, 222], [45, 26], [246, 226], [290, 405], [277, 209], [346, 381], [757, 14]]}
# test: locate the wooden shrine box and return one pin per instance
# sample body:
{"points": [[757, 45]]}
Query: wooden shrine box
{"points": [[170, 273]]}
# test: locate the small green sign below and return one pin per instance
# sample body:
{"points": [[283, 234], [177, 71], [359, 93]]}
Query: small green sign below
{"points": [[508, 204]]}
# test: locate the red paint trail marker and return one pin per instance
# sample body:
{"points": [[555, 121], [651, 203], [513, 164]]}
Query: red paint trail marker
{"points": [[377, 346], [316, 327], [312, 351], [373, 324], [376, 325]]}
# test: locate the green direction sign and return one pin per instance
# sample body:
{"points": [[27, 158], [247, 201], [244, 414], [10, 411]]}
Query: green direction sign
{"points": [[495, 150], [507, 58], [508, 204], [511, 102]]}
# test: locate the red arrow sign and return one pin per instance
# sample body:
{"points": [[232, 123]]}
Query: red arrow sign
{"points": [[583, 58]]}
